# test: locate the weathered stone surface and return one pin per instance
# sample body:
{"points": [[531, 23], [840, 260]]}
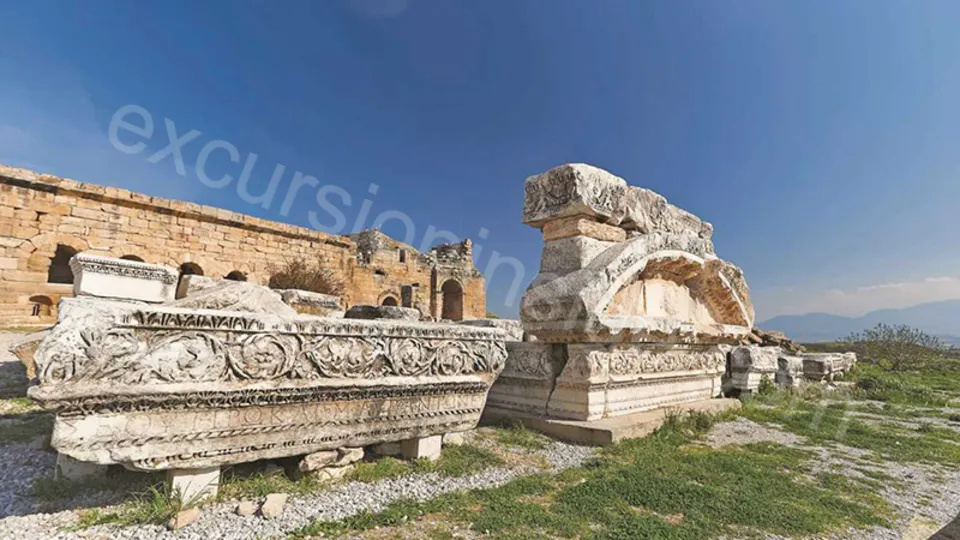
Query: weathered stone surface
{"points": [[528, 378], [24, 349], [246, 508], [560, 257], [382, 312], [77, 471], [310, 302], [789, 371], [422, 447], [192, 284], [645, 211], [194, 485], [273, 505], [658, 286], [573, 189], [768, 338], [512, 327], [318, 460], [239, 296], [156, 387], [109, 277], [333, 473], [749, 364], [183, 518], [346, 456], [453, 439], [819, 367], [578, 226]]}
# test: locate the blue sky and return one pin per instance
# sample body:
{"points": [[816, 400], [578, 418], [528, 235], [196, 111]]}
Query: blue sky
{"points": [[820, 138]]}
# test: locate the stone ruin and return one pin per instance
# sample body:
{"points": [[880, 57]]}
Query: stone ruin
{"points": [[232, 374], [632, 310]]}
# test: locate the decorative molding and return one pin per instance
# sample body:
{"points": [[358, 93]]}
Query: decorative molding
{"points": [[95, 264]]}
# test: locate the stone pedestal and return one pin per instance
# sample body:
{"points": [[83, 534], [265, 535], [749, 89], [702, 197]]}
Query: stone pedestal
{"points": [[71, 469], [423, 447], [750, 364], [194, 485]]}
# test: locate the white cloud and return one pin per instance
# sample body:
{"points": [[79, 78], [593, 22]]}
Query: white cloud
{"points": [[856, 301]]}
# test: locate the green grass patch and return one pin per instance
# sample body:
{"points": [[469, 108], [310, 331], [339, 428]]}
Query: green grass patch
{"points": [[829, 424], [455, 461], [921, 388], [657, 487], [25, 427], [237, 485], [516, 434], [156, 505]]}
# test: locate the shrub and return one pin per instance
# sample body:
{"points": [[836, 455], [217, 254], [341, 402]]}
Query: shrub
{"points": [[301, 273], [896, 347]]}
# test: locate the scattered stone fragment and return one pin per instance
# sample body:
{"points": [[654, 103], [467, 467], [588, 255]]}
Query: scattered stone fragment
{"points": [[453, 439], [273, 505], [183, 518], [246, 508], [318, 460], [347, 456], [333, 473]]}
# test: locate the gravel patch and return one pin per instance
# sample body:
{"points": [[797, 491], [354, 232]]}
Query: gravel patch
{"points": [[743, 431]]}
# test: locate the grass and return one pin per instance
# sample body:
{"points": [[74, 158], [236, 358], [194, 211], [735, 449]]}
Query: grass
{"points": [[156, 505], [657, 487], [234, 485], [454, 461], [516, 434], [25, 427]]}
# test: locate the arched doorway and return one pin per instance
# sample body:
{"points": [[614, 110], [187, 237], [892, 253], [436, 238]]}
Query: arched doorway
{"points": [[452, 300], [389, 301], [59, 271], [132, 258], [41, 306], [190, 269], [236, 275]]}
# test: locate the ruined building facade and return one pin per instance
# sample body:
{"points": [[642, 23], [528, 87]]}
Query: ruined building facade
{"points": [[45, 220]]}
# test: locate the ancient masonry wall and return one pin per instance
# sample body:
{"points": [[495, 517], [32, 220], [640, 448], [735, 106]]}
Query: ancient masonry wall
{"points": [[45, 219]]}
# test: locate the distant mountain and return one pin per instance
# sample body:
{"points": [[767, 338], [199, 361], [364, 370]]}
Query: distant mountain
{"points": [[941, 319]]}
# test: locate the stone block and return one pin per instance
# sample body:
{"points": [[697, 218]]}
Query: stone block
{"points": [[273, 505], [194, 485], [578, 226], [750, 364], [192, 284], [512, 327], [382, 312], [107, 277], [573, 189], [422, 447], [77, 471], [453, 439], [318, 460], [789, 371], [560, 257]]}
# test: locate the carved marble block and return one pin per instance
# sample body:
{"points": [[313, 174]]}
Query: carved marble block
{"points": [[819, 367], [159, 388], [750, 364], [109, 277]]}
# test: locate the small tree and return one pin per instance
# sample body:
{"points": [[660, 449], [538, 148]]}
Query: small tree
{"points": [[897, 347], [300, 273]]}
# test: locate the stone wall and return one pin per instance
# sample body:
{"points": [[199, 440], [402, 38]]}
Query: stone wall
{"points": [[44, 220]]}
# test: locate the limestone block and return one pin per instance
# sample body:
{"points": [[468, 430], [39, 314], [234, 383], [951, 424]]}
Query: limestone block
{"points": [[749, 364], [77, 471], [578, 226], [422, 447], [573, 189], [819, 367], [273, 505], [318, 460], [194, 485], [346, 456], [227, 295], [512, 327], [246, 508], [560, 257], [191, 389], [334, 473], [183, 518], [318, 303], [453, 439], [528, 378], [789, 371], [107, 277], [382, 312], [646, 211], [192, 284]]}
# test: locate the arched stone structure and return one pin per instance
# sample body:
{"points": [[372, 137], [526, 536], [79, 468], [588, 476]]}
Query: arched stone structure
{"points": [[451, 307], [389, 300], [59, 270], [236, 275], [132, 258]]}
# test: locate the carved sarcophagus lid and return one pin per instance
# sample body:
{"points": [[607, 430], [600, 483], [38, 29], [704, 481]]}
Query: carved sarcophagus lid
{"points": [[109, 277], [155, 387]]}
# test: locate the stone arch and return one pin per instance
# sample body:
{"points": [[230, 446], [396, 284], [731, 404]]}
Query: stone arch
{"points": [[451, 307], [236, 275], [190, 269], [132, 258], [59, 270], [389, 300], [41, 306]]}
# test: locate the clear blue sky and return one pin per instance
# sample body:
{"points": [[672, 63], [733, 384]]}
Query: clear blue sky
{"points": [[821, 138]]}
